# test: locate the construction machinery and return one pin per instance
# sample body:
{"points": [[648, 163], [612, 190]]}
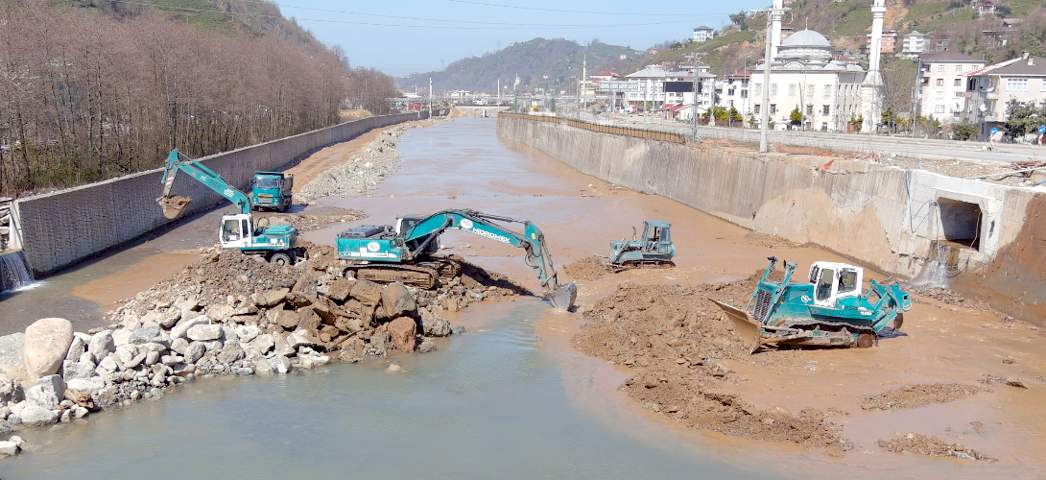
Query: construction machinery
{"points": [[654, 248], [404, 252], [277, 243], [828, 310], [271, 190]]}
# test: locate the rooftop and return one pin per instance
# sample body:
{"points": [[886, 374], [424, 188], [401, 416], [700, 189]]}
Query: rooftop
{"points": [[806, 38], [949, 57], [1020, 66]]}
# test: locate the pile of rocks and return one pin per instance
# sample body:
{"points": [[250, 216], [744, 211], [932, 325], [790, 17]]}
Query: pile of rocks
{"points": [[362, 173], [197, 324]]}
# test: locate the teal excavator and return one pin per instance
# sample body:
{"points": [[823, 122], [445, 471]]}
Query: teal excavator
{"points": [[276, 243], [404, 252]]}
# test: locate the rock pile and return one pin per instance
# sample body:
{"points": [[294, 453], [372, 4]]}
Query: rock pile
{"points": [[228, 314], [362, 173]]}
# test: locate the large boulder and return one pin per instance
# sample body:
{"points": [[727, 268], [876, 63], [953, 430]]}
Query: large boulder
{"points": [[397, 301], [149, 334], [204, 333], [195, 351], [101, 344], [434, 325], [46, 342], [47, 392], [260, 345], [287, 319], [77, 369], [34, 415], [339, 290], [309, 320], [79, 387], [12, 364], [77, 348], [270, 298], [367, 292], [232, 352], [180, 330], [403, 334]]}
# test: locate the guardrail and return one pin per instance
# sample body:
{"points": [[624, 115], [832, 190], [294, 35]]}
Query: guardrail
{"points": [[599, 128]]}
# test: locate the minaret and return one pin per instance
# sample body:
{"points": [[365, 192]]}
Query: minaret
{"points": [[775, 29], [872, 87]]}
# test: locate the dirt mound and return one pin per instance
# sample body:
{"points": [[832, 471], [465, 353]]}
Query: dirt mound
{"points": [[307, 222], [924, 445], [588, 268], [672, 338], [912, 396]]}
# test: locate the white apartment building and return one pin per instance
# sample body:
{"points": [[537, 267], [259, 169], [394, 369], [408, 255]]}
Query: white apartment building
{"points": [[914, 45], [992, 88], [734, 91], [804, 75], [703, 34], [941, 86], [645, 89]]}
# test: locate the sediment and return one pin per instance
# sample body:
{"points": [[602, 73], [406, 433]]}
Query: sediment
{"points": [[672, 340], [361, 173]]}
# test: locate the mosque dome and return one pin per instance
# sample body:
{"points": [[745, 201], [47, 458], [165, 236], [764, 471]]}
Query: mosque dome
{"points": [[805, 46], [806, 38]]}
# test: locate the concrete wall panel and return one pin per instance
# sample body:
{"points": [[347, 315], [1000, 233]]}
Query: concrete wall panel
{"points": [[61, 228]]}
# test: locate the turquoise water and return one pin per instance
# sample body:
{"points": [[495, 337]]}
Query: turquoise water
{"points": [[488, 404]]}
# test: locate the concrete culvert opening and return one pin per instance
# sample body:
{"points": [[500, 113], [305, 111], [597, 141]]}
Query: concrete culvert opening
{"points": [[961, 222]]}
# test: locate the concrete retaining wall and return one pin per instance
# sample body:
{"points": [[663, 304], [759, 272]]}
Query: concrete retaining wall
{"points": [[886, 216], [61, 228]]}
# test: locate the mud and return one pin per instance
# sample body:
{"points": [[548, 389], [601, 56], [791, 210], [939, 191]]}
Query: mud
{"points": [[588, 268], [912, 396], [934, 447], [673, 341]]}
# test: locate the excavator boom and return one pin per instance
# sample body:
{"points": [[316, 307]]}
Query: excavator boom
{"points": [[174, 205]]}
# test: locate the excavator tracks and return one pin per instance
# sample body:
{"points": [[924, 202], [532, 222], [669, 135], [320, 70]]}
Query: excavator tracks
{"points": [[424, 275]]}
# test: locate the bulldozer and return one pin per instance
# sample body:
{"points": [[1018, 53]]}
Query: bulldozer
{"points": [[828, 310], [654, 248]]}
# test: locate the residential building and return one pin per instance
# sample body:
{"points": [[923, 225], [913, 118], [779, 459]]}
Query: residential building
{"points": [[941, 85], [805, 76], [914, 44], [888, 41], [733, 91], [645, 90], [992, 88], [983, 7], [703, 34]]}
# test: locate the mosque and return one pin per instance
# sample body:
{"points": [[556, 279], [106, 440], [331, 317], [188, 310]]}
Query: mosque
{"points": [[832, 95]]}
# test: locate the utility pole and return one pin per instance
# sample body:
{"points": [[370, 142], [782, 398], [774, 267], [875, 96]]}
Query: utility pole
{"points": [[693, 94], [764, 111], [430, 97]]}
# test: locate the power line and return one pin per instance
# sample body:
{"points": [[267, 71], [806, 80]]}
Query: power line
{"points": [[585, 12], [480, 26]]}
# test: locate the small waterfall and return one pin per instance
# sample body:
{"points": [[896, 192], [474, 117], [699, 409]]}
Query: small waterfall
{"points": [[940, 269], [14, 274]]}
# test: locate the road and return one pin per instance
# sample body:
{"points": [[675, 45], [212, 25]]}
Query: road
{"points": [[873, 144]]}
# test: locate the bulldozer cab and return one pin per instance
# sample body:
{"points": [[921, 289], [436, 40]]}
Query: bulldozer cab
{"points": [[236, 231], [656, 232], [834, 281]]}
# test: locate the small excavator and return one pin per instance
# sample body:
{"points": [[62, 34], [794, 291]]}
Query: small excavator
{"points": [[829, 310], [277, 243], [404, 252]]}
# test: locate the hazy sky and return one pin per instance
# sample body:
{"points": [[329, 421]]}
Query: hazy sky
{"points": [[406, 36]]}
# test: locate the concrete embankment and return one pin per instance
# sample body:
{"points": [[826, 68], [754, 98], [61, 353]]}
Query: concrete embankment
{"points": [[899, 220], [59, 229]]}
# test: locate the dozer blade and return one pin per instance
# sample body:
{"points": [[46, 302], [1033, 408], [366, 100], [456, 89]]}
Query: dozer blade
{"points": [[744, 325], [563, 298], [173, 206]]}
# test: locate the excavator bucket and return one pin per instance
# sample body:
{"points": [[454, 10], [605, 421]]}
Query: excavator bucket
{"points": [[174, 205], [563, 298], [746, 327]]}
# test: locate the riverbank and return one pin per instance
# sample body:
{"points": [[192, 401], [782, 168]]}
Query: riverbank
{"points": [[226, 314]]}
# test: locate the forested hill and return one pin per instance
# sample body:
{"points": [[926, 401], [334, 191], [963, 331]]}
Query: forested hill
{"points": [[95, 89], [531, 61], [256, 17]]}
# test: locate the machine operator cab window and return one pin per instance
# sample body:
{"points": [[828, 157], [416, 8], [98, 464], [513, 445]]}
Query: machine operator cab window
{"points": [[833, 281], [235, 231]]}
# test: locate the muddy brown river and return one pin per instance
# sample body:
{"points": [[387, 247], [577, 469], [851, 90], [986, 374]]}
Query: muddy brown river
{"points": [[510, 398]]}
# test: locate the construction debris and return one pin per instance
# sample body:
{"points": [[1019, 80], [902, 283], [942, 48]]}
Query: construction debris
{"points": [[362, 173], [912, 396]]}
